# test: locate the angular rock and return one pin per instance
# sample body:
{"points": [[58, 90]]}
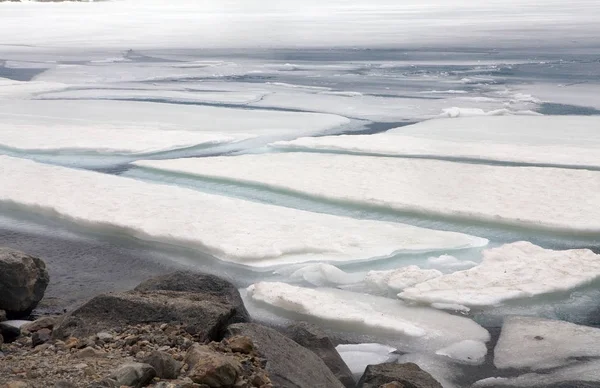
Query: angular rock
{"points": [[240, 344], [206, 312], [198, 283], [134, 374], [289, 365], [208, 367], [41, 323], [23, 281], [315, 339], [9, 332], [41, 337], [407, 375], [164, 364]]}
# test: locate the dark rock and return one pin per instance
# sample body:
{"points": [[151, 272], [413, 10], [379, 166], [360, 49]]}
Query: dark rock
{"points": [[105, 383], [165, 366], [64, 384], [40, 337], [205, 312], [23, 281], [135, 375], [289, 365], [198, 283], [314, 338], [41, 323], [2, 315], [9, 332], [208, 367], [408, 375]]}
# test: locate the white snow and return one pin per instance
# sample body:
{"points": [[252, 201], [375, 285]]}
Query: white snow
{"points": [[538, 343], [455, 112], [398, 279], [229, 229], [422, 327], [467, 351], [254, 23], [450, 262], [534, 197], [358, 356], [560, 140], [511, 271]]}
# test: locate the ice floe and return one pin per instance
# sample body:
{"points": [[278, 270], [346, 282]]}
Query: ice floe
{"points": [[399, 279], [230, 229], [511, 271], [422, 327], [538, 343], [555, 140], [358, 356], [533, 197], [322, 274], [467, 351]]}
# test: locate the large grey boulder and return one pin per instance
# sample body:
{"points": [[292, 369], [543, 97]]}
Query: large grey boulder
{"points": [[315, 339], [407, 375], [23, 281], [206, 307], [289, 365]]}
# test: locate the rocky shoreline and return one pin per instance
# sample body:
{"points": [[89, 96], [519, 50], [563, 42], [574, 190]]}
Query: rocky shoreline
{"points": [[178, 330]]}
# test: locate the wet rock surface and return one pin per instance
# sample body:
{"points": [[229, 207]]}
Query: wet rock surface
{"points": [[407, 375]]}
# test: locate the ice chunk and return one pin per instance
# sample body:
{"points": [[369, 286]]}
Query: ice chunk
{"points": [[495, 194], [399, 279], [229, 229], [103, 139], [469, 112], [538, 343], [17, 323], [324, 274], [573, 376], [440, 368], [450, 262], [358, 356], [467, 351], [422, 327], [515, 139], [512, 271]]}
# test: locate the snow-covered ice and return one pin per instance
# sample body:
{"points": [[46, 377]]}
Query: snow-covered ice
{"points": [[533, 197], [538, 343], [398, 279], [450, 262], [358, 356], [467, 351], [511, 271], [576, 375], [553, 140], [321, 274], [230, 229], [420, 327]]}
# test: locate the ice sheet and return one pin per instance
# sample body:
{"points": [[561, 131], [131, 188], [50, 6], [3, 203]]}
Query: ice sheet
{"points": [[558, 140], [422, 327], [511, 271], [243, 23], [230, 229], [574, 376], [147, 115], [533, 197], [543, 343]]}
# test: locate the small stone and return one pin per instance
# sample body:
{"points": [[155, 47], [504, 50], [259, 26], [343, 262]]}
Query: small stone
{"points": [[134, 374], [9, 332], [40, 337], [240, 344], [104, 336], [80, 366], [211, 368], [71, 343], [89, 353], [16, 384], [39, 324], [393, 384], [64, 384]]}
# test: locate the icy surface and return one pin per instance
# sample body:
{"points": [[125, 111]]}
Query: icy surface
{"points": [[512, 271], [543, 343], [399, 279], [358, 356], [553, 140], [420, 326], [243, 23], [582, 372], [440, 368], [229, 229], [107, 139], [467, 351], [495, 194], [450, 262], [323, 275]]}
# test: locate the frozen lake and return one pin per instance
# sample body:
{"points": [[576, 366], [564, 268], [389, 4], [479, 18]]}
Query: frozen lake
{"points": [[407, 174]]}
